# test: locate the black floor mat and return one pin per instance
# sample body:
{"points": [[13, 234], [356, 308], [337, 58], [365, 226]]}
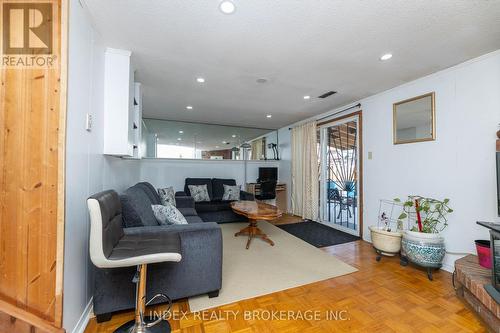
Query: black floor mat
{"points": [[317, 234]]}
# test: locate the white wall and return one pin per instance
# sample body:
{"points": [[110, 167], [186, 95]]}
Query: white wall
{"points": [[459, 165], [164, 172], [87, 171]]}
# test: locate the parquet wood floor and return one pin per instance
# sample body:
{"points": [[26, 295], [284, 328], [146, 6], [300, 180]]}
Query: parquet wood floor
{"points": [[381, 297]]}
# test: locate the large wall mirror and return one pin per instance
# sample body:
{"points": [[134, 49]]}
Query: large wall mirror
{"points": [[414, 119], [186, 140]]}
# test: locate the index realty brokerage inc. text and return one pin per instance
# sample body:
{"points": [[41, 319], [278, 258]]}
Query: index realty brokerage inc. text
{"points": [[310, 315]]}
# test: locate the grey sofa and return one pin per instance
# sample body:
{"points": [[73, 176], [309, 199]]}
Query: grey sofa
{"points": [[199, 271], [215, 210]]}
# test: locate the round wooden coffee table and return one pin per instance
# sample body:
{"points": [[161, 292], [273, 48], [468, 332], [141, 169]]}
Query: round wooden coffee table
{"points": [[255, 211]]}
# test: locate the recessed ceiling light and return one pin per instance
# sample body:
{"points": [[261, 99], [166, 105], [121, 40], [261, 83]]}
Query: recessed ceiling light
{"points": [[307, 97], [234, 135], [386, 56], [227, 7], [200, 79], [180, 132], [216, 146], [189, 107], [179, 139], [269, 116]]}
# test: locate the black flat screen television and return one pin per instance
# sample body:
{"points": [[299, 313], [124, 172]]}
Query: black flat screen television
{"points": [[268, 173]]}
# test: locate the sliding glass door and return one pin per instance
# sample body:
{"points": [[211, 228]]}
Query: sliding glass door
{"points": [[339, 176]]}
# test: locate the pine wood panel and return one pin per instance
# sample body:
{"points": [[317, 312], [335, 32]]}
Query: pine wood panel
{"points": [[15, 319], [32, 122], [381, 297], [12, 324]]}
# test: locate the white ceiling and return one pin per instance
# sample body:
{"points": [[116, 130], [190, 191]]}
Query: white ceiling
{"points": [[302, 47]]}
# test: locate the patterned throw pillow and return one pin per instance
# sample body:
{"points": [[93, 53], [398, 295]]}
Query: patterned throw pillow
{"points": [[231, 193], [168, 214], [199, 192], [167, 195]]}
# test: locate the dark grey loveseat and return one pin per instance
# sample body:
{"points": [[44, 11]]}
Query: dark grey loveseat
{"points": [[199, 271], [215, 210]]}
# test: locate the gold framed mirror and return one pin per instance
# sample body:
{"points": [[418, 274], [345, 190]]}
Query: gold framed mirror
{"points": [[414, 119]]}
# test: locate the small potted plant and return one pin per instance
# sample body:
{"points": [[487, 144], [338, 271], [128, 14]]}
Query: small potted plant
{"points": [[386, 235], [423, 243], [385, 240]]}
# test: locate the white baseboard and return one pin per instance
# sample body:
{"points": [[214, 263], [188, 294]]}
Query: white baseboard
{"points": [[82, 323], [448, 268], [449, 261]]}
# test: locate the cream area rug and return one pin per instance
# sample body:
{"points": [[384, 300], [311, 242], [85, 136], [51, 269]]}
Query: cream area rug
{"points": [[264, 269]]}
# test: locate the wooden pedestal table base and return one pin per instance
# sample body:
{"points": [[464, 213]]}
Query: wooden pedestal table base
{"points": [[255, 211], [253, 231]]}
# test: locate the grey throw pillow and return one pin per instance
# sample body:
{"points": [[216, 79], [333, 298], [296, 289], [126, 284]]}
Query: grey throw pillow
{"points": [[167, 195], [199, 192], [231, 193], [168, 214]]}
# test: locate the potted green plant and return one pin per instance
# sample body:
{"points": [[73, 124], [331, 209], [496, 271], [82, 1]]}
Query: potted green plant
{"points": [[427, 218], [387, 234]]}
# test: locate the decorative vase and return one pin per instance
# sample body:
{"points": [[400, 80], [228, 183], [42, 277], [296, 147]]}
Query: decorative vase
{"points": [[385, 242], [424, 249]]}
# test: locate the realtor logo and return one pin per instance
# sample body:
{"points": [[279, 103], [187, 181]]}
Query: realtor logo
{"points": [[27, 38]]}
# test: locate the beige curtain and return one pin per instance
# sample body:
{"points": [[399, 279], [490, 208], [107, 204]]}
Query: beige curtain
{"points": [[305, 179]]}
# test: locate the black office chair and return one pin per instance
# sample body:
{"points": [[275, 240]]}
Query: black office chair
{"points": [[267, 190]]}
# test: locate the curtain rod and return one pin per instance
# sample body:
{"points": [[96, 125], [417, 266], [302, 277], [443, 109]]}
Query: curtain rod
{"points": [[333, 114]]}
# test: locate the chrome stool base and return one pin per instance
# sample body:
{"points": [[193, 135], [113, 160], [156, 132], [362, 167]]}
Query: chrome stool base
{"points": [[140, 323], [129, 327]]}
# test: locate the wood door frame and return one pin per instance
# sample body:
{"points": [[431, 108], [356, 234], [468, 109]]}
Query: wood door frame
{"points": [[29, 318], [55, 88], [358, 114], [61, 190]]}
